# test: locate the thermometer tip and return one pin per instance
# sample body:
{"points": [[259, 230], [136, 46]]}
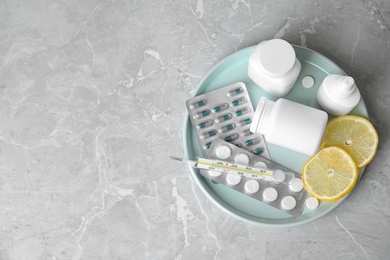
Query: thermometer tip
{"points": [[176, 158]]}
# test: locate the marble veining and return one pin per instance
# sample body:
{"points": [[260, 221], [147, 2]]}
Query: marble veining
{"points": [[92, 101]]}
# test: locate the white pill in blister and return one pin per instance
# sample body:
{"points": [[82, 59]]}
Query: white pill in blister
{"points": [[242, 158], [261, 165], [278, 176], [233, 179], [288, 202], [296, 185], [252, 186], [312, 203], [214, 173], [270, 194], [223, 151]]}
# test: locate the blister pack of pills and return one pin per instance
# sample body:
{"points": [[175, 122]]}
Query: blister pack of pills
{"points": [[225, 113], [284, 190]]}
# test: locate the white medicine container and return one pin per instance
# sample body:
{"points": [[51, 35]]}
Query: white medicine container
{"points": [[289, 124]]}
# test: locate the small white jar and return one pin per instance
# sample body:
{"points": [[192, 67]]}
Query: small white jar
{"points": [[338, 94], [290, 124], [274, 67]]}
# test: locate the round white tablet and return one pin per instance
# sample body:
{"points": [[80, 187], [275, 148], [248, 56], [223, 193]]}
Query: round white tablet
{"points": [[261, 165], [223, 151], [233, 179], [296, 185], [242, 158], [252, 186], [270, 194], [288, 202], [214, 173], [278, 176], [312, 203], [308, 82]]}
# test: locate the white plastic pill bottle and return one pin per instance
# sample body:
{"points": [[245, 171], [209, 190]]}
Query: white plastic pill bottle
{"points": [[338, 94], [274, 67], [289, 124]]}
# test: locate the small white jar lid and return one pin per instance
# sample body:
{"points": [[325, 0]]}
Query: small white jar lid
{"points": [[277, 57]]}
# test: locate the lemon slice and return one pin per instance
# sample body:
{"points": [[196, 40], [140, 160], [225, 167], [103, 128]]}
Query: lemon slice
{"points": [[355, 134], [330, 174]]}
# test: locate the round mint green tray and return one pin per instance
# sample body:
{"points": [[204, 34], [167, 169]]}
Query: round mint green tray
{"points": [[233, 69]]}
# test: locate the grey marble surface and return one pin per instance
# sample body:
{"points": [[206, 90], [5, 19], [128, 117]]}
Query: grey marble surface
{"points": [[92, 100]]}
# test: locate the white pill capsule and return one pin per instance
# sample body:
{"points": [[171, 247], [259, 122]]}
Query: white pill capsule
{"points": [[242, 158], [296, 185], [312, 203], [288, 203], [233, 179], [252, 186], [223, 151], [270, 194]]}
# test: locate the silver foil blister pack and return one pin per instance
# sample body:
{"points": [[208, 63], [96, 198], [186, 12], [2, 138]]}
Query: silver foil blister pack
{"points": [[225, 113], [284, 191]]}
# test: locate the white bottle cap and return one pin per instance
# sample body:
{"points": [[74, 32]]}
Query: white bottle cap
{"points": [[242, 158], [296, 185], [233, 179], [312, 203], [223, 151], [270, 194], [261, 116], [276, 57], [345, 87], [288, 202], [252, 186]]}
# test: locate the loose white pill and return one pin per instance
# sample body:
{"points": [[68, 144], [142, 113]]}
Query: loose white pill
{"points": [[214, 173], [288, 202], [223, 151], [233, 179], [296, 185], [252, 186], [308, 82], [270, 194], [278, 176], [312, 203], [261, 165], [242, 158]]}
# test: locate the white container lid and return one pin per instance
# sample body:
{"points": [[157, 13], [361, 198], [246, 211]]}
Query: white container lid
{"points": [[276, 57]]}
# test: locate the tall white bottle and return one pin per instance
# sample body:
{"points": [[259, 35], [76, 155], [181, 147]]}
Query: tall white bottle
{"points": [[338, 94]]}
